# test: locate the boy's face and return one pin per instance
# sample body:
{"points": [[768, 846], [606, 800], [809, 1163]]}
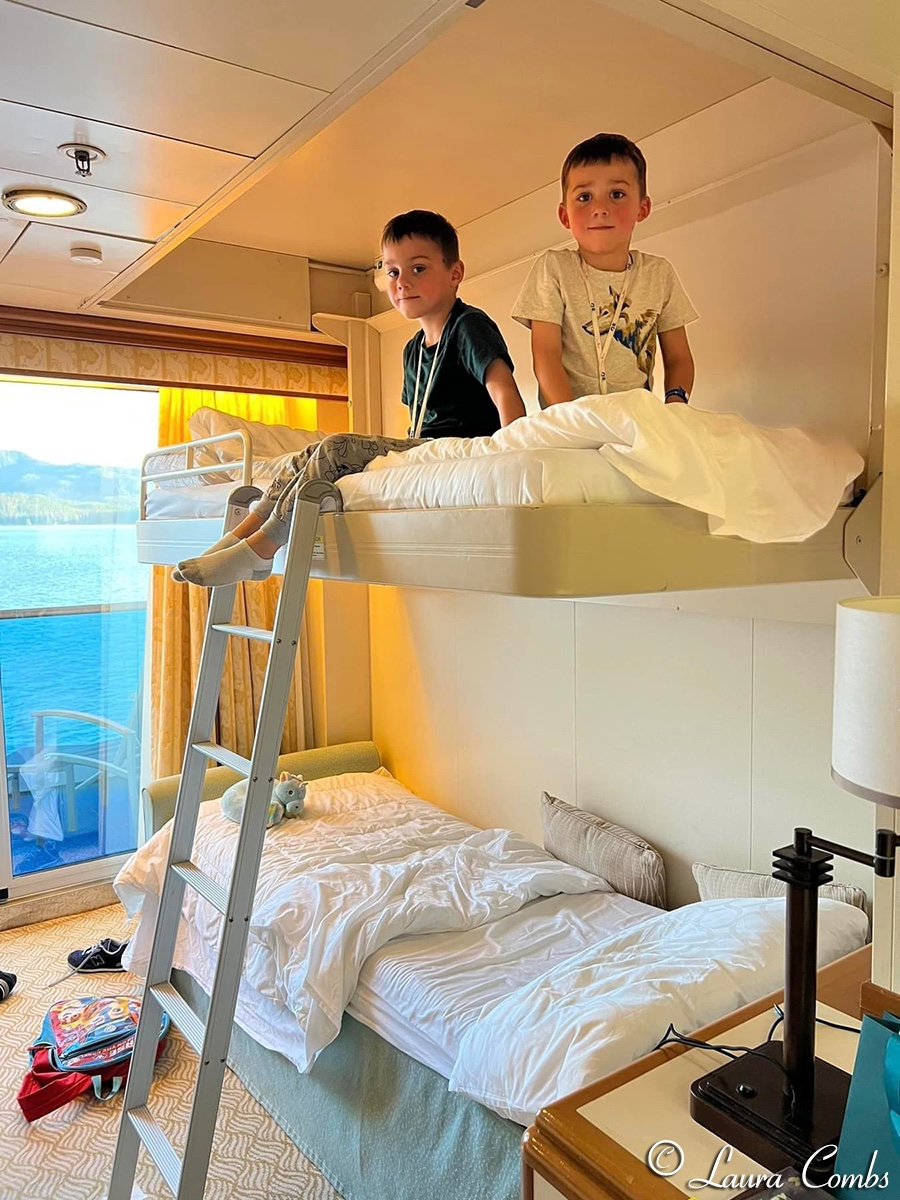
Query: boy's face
{"points": [[603, 204], [419, 281]]}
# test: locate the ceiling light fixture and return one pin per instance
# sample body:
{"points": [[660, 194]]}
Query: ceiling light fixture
{"points": [[90, 255], [42, 202]]}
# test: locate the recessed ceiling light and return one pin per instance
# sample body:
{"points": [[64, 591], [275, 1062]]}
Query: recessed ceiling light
{"points": [[42, 202]]}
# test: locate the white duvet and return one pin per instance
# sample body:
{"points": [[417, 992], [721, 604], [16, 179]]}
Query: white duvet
{"points": [[368, 862], [765, 485], [607, 1006]]}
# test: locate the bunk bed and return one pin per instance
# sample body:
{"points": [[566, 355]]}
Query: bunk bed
{"points": [[371, 1095]]}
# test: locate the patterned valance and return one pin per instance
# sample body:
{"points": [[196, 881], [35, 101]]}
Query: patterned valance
{"points": [[163, 355]]}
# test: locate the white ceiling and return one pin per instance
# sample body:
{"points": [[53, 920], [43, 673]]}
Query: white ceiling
{"points": [[480, 117], [205, 109], [182, 95]]}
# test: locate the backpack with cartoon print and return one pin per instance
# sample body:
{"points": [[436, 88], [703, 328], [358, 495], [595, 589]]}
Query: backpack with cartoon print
{"points": [[85, 1044]]}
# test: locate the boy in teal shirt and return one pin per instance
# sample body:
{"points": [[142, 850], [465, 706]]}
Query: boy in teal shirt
{"points": [[457, 382]]}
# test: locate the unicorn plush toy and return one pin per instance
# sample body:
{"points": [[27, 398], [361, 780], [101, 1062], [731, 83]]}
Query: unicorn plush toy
{"points": [[287, 799]]}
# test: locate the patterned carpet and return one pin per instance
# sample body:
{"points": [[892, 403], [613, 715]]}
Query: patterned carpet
{"points": [[68, 1154]]}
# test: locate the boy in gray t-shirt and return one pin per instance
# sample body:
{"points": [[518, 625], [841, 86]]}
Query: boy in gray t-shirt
{"points": [[596, 313]]}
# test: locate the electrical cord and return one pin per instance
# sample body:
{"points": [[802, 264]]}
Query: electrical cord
{"points": [[733, 1052], [819, 1021]]}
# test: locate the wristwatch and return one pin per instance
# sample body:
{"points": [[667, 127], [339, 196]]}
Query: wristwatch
{"points": [[678, 393]]}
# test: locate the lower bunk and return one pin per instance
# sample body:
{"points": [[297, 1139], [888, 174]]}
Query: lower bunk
{"points": [[416, 990]]}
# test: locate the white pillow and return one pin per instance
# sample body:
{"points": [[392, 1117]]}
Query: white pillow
{"points": [[725, 883], [268, 441], [630, 865]]}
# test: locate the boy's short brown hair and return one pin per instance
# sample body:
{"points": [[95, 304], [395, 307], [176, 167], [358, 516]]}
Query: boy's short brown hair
{"points": [[419, 222], [603, 148]]}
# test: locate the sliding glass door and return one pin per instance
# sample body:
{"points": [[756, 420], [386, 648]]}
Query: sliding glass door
{"points": [[72, 624]]}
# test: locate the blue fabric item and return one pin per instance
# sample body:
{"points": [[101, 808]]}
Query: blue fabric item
{"points": [[377, 1123], [869, 1146]]}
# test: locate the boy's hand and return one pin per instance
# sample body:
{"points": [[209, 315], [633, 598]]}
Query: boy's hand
{"points": [[502, 389], [546, 353]]}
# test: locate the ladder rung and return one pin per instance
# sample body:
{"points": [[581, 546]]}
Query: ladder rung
{"points": [[201, 882], [246, 631], [227, 758], [158, 1146], [184, 1017]]}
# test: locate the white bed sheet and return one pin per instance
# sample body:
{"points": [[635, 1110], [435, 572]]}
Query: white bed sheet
{"points": [[520, 478]]}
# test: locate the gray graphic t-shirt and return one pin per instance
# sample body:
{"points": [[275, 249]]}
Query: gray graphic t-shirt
{"points": [[655, 302]]}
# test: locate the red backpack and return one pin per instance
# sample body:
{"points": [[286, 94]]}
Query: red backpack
{"points": [[85, 1044]]}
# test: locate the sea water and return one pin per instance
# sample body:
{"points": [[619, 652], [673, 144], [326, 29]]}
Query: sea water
{"points": [[85, 662]]}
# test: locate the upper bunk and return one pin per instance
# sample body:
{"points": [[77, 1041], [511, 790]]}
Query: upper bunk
{"points": [[771, 192]]}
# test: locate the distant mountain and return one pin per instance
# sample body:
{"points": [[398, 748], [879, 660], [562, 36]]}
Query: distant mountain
{"points": [[47, 493]]}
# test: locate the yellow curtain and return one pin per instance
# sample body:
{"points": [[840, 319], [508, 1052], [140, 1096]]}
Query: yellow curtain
{"points": [[179, 613]]}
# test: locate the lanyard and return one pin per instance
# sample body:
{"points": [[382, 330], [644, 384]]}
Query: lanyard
{"points": [[417, 414], [604, 348]]}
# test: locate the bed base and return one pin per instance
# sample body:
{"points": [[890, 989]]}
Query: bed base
{"points": [[547, 550], [374, 1121]]}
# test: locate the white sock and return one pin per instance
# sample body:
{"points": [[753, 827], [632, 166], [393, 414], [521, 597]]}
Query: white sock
{"points": [[237, 563], [225, 542]]}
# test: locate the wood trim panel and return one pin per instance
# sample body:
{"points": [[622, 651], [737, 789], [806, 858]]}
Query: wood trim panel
{"points": [[584, 1163], [878, 1000], [79, 328]]}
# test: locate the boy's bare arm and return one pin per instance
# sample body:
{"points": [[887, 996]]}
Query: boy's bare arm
{"points": [[678, 362], [502, 389], [546, 353]]}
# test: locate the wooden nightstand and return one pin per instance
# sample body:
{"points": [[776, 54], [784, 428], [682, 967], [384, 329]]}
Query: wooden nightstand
{"points": [[593, 1144]]}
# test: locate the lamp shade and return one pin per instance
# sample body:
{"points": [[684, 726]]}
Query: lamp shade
{"points": [[865, 748]]}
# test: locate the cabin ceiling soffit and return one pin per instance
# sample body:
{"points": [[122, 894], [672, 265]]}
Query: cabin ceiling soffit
{"points": [[854, 63], [474, 149], [189, 104]]}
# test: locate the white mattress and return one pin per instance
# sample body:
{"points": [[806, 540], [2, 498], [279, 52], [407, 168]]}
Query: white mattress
{"points": [[525, 477], [421, 993]]}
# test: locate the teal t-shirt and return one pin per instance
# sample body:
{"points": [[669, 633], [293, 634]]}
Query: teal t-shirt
{"points": [[459, 404]]}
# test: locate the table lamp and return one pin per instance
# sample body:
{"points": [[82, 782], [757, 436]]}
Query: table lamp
{"points": [[789, 1111]]}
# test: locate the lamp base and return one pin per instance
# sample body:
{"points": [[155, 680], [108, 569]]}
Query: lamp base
{"points": [[743, 1102]]}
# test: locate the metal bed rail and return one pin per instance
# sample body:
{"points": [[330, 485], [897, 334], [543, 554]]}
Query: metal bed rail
{"points": [[190, 469]]}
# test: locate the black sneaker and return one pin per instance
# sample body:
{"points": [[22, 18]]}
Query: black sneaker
{"points": [[104, 956], [7, 983]]}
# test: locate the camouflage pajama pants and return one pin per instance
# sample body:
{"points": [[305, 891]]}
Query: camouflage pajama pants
{"points": [[335, 456]]}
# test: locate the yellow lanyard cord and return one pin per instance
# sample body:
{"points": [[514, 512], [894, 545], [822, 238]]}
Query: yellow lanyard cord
{"points": [[604, 348]]}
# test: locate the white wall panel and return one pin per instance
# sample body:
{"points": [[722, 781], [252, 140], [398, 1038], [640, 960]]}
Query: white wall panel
{"points": [[50, 62], [793, 672], [301, 40], [414, 691], [515, 708], [135, 162], [663, 723], [785, 290]]}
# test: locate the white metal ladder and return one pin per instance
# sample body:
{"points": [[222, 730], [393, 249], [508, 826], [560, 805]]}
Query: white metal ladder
{"points": [[186, 1176]]}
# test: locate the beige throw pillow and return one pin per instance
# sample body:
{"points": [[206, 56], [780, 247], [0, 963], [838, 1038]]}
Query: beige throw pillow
{"points": [[268, 441], [725, 883], [628, 864]]}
